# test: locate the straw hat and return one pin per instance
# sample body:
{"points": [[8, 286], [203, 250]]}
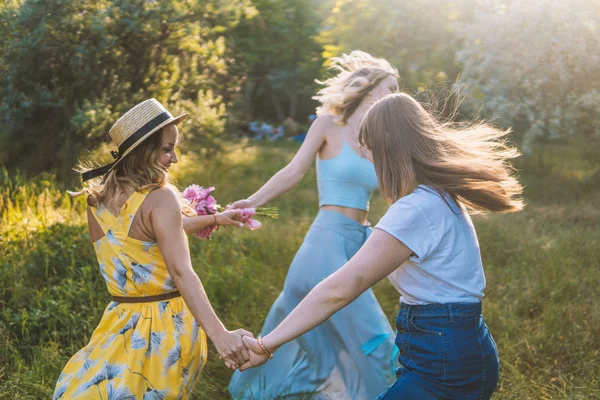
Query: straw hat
{"points": [[135, 126]]}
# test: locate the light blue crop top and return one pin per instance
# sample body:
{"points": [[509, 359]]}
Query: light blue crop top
{"points": [[347, 180]]}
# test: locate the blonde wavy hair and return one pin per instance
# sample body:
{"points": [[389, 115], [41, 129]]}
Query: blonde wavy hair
{"points": [[139, 170], [411, 147], [359, 73]]}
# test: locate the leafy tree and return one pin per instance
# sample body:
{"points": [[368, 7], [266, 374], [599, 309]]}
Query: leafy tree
{"points": [[535, 65], [418, 37], [73, 66], [281, 56]]}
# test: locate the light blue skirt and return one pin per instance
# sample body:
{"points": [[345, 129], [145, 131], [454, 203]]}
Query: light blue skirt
{"points": [[349, 356]]}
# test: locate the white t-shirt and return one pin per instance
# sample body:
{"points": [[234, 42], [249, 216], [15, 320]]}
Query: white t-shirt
{"points": [[446, 265]]}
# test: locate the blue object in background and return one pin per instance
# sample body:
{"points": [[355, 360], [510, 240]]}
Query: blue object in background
{"points": [[300, 137]]}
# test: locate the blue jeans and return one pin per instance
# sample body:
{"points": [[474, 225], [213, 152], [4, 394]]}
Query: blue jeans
{"points": [[446, 352]]}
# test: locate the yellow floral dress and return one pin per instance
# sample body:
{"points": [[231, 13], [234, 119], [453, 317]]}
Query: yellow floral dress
{"points": [[146, 351]]}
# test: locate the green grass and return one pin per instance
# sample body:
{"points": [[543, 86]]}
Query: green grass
{"points": [[543, 280]]}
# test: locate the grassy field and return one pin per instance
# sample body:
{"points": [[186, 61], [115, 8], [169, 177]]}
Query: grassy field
{"points": [[542, 266]]}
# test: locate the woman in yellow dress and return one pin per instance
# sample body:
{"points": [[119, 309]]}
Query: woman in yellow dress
{"points": [[151, 340]]}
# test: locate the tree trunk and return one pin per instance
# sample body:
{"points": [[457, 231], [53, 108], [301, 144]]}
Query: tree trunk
{"points": [[293, 104], [276, 103], [256, 85]]}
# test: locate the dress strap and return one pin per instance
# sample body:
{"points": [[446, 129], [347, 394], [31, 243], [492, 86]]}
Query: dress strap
{"points": [[119, 225], [129, 212], [104, 218]]}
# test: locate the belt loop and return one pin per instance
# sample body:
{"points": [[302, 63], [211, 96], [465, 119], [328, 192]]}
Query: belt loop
{"points": [[450, 312]]}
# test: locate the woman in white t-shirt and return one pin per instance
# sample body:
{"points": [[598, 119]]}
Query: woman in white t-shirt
{"points": [[433, 174]]}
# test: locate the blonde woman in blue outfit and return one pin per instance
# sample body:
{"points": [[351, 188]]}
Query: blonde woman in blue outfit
{"points": [[433, 175], [351, 355]]}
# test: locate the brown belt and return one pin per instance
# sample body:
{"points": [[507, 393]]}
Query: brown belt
{"points": [[146, 299]]}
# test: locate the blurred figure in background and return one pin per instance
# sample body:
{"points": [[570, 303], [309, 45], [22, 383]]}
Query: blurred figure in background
{"points": [[302, 135]]}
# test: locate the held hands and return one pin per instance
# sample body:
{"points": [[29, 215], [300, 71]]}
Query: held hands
{"points": [[231, 348], [250, 355], [229, 218], [257, 356]]}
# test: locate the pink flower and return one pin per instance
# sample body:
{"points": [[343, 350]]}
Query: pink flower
{"points": [[206, 192], [201, 211], [203, 203], [206, 232], [247, 213], [200, 203], [211, 204], [200, 199], [192, 193], [253, 224]]}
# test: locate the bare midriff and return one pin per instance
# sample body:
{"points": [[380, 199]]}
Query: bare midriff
{"points": [[358, 215]]}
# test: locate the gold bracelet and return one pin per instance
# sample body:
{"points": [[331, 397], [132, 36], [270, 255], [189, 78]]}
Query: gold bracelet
{"points": [[267, 352]]}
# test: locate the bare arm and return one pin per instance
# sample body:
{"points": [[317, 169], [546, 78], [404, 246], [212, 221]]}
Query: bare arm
{"points": [[377, 258], [167, 223], [199, 222], [291, 174]]}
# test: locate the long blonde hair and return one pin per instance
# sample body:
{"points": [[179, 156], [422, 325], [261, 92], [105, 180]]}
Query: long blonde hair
{"points": [[359, 73], [469, 163], [139, 170]]}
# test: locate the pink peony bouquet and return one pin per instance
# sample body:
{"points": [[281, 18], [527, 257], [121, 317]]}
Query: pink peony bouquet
{"points": [[204, 204]]}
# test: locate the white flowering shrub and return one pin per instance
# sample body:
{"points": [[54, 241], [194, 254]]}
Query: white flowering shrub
{"points": [[536, 65]]}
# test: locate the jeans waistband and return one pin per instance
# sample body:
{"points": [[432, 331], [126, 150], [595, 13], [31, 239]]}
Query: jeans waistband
{"points": [[448, 309]]}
